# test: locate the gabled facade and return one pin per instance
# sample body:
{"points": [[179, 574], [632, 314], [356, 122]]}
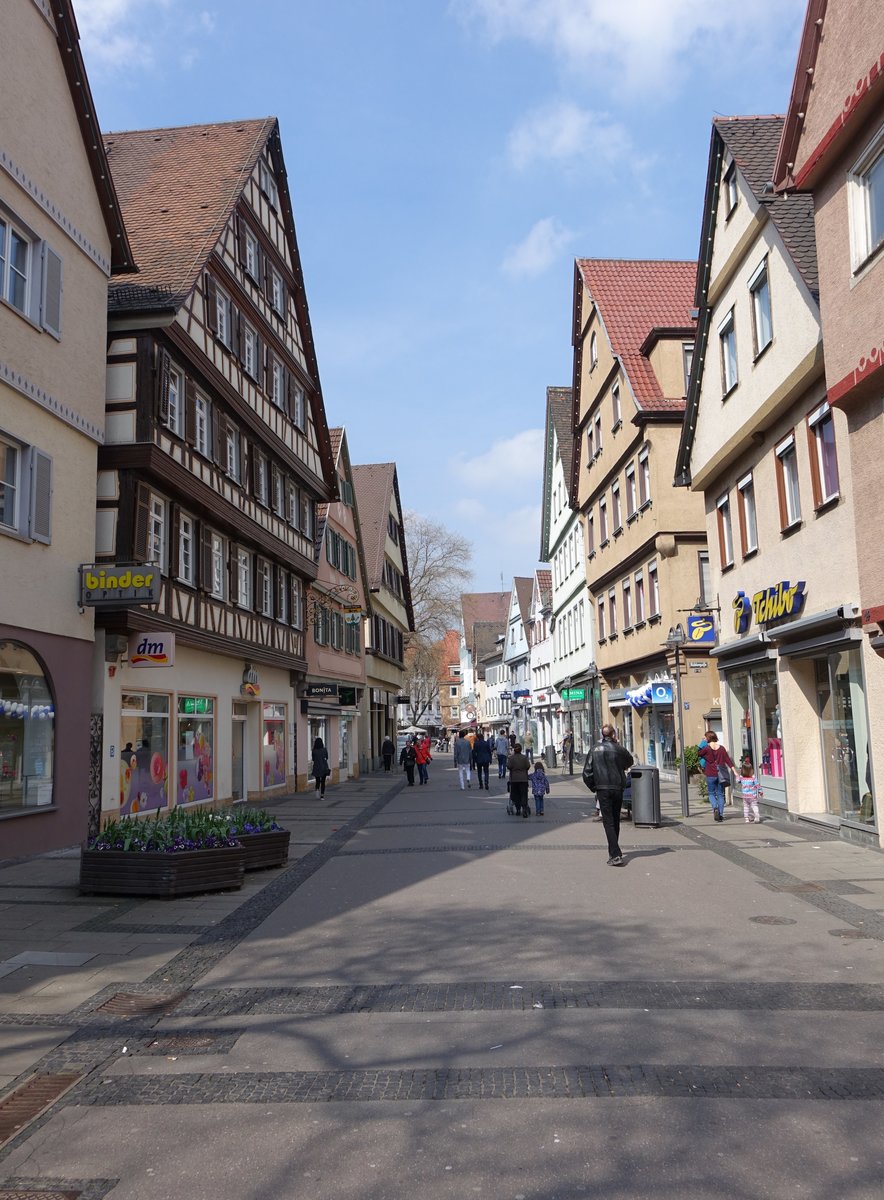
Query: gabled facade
{"points": [[645, 543], [450, 682], [574, 679], [216, 457], [390, 612], [62, 236], [517, 659], [764, 447], [832, 150], [543, 724], [337, 601], [489, 609]]}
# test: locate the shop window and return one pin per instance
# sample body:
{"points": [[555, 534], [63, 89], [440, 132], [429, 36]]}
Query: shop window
{"points": [[144, 759], [27, 731], [195, 761], [755, 726], [274, 770], [841, 709]]}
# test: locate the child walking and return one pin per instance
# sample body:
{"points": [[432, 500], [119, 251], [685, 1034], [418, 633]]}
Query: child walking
{"points": [[539, 787], [751, 791]]}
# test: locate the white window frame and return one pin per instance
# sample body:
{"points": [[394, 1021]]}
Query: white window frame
{"points": [[297, 614], [687, 362], [265, 583], [653, 590], [223, 323], [202, 425], [603, 521], [725, 529], [615, 406], [612, 613], [727, 343], [234, 453], [218, 556], [262, 491], [626, 590], [277, 383], [639, 592], [759, 290], [748, 514], [631, 491], [731, 190], [603, 634], [186, 548], [277, 292], [644, 478], [42, 275], [282, 596], [598, 434], [243, 578], [293, 504], [299, 406], [250, 350], [175, 402], [616, 507], [593, 351], [157, 541], [11, 452], [253, 256], [868, 168], [787, 454], [267, 183], [816, 422]]}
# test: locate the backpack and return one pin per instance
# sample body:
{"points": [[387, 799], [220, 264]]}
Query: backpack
{"points": [[588, 774]]}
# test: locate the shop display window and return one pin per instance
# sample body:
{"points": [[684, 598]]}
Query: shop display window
{"points": [[195, 765], [144, 759], [756, 732], [27, 730], [274, 772], [845, 737]]}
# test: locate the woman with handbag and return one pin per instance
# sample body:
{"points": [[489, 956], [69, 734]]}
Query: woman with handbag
{"points": [[719, 765]]}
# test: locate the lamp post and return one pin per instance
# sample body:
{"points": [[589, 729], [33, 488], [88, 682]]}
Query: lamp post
{"points": [[674, 642]]}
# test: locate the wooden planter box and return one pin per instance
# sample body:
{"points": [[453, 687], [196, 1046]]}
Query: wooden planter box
{"points": [[152, 873], [262, 850]]}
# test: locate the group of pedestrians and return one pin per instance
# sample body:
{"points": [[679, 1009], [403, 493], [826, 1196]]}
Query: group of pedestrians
{"points": [[416, 753]]}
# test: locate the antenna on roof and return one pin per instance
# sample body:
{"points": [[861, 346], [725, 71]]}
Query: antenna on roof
{"points": [[501, 580]]}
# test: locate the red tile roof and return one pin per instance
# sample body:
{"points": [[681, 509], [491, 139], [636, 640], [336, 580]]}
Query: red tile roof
{"points": [[544, 586], [634, 297], [484, 607], [177, 189]]}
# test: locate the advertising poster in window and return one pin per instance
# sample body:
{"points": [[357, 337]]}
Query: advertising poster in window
{"points": [[196, 747], [144, 759], [274, 745]]}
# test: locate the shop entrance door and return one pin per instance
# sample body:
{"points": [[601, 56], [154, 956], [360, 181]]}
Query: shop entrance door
{"points": [[238, 773]]}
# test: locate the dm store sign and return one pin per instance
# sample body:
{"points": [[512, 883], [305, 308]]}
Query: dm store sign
{"points": [[152, 650]]}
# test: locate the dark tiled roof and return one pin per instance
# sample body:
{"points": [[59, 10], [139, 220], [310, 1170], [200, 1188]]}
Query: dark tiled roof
{"points": [[524, 590], [634, 297], [753, 142], [177, 190], [485, 635], [544, 586], [560, 409]]}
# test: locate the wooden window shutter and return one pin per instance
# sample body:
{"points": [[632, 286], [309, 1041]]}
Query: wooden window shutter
{"points": [[290, 385], [205, 579], [781, 493], [50, 307], [219, 437], [189, 411], [237, 341], [141, 523], [266, 277], [164, 366], [211, 303], [245, 458], [741, 506], [40, 516], [259, 360], [816, 484]]}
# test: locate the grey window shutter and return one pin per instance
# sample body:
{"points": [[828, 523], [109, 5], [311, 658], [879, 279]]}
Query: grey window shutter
{"points": [[164, 366], [211, 303], [52, 289], [141, 522], [41, 497]]}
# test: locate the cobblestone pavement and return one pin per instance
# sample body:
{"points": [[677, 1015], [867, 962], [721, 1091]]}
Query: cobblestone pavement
{"points": [[339, 1027]]}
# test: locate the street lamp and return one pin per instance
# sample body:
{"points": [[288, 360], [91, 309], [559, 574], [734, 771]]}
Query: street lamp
{"points": [[674, 642]]}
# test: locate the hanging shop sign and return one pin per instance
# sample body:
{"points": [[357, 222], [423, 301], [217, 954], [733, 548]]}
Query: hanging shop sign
{"points": [[250, 687], [321, 691], [700, 629], [347, 696], [107, 585], [504, 695], [152, 650], [574, 694], [771, 604], [521, 693], [657, 691]]}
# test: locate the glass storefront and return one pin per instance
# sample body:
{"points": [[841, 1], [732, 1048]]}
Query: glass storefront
{"points": [[755, 726], [841, 709], [144, 759], [658, 735], [274, 766], [196, 749], [27, 730]]}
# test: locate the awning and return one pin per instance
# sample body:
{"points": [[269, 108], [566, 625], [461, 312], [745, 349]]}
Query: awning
{"points": [[743, 652], [826, 630]]}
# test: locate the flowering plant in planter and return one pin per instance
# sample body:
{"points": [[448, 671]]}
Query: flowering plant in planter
{"points": [[173, 833], [248, 820]]}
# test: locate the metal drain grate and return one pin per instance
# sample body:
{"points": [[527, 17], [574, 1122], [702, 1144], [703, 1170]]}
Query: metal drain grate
{"points": [[131, 1004], [772, 921], [28, 1101]]}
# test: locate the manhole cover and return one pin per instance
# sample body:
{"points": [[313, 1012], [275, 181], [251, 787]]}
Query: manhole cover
{"points": [[181, 1043], [855, 934], [29, 1100], [130, 1004], [772, 921]]}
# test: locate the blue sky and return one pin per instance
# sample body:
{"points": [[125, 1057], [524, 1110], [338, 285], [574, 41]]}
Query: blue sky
{"points": [[447, 162]]}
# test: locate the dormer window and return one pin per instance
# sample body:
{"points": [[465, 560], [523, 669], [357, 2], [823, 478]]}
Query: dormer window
{"points": [[268, 184], [593, 351], [731, 194]]}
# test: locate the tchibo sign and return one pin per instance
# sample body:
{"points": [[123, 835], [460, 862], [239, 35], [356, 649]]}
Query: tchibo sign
{"points": [[151, 649], [107, 585]]}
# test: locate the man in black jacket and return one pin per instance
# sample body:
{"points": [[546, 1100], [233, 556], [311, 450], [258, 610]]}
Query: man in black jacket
{"points": [[609, 762]]}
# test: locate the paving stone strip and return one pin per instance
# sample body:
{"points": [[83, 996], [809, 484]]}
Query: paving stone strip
{"points": [[56, 1189], [871, 923], [612, 1081]]}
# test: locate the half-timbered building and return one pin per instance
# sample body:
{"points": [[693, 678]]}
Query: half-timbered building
{"points": [[390, 615], [337, 602], [216, 457]]}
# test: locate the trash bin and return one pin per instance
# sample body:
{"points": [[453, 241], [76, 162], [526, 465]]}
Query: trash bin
{"points": [[550, 755], [645, 795]]}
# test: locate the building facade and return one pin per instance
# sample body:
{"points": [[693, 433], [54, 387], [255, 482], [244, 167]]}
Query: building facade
{"points": [[337, 600], [390, 613], [517, 660], [62, 236], [216, 456], [646, 556]]}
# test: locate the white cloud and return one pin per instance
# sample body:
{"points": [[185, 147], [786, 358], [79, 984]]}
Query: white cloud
{"points": [[121, 34], [538, 250], [566, 133], [641, 41]]}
